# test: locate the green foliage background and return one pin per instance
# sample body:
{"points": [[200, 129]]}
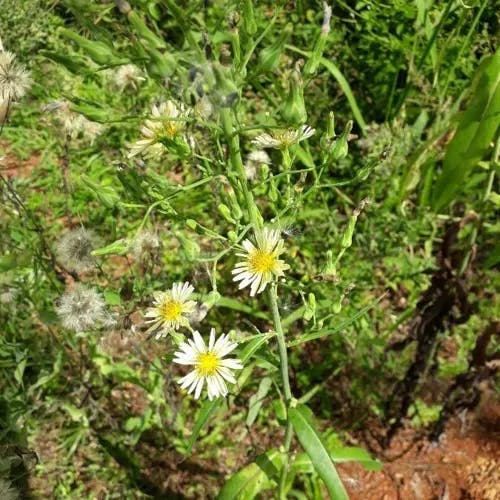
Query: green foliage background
{"points": [[104, 412]]}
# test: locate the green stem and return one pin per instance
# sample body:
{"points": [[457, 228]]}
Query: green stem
{"points": [[273, 300], [233, 141]]}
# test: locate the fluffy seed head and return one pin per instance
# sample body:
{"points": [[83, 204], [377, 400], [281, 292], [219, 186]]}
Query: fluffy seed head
{"points": [[14, 79], [128, 75], [145, 246], [74, 249], [254, 160], [83, 308]]}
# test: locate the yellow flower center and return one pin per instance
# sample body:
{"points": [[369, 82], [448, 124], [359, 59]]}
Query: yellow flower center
{"points": [[171, 310], [208, 362], [285, 137], [261, 262]]}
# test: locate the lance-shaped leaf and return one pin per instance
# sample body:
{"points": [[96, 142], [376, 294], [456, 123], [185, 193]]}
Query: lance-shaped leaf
{"points": [[302, 422]]}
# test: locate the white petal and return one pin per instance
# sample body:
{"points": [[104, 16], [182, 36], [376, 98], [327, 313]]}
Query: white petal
{"points": [[199, 342], [231, 363], [199, 387]]}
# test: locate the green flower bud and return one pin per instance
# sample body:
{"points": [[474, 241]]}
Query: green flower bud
{"points": [[225, 212], [161, 65], [212, 298], [99, 52], [294, 110], [273, 192], [227, 91], [249, 23], [313, 62], [263, 172], [232, 236], [144, 32], [340, 147], [269, 57], [190, 247]]}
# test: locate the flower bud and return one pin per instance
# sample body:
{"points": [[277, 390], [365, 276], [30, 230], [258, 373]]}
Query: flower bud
{"points": [[340, 148], [249, 23], [99, 52], [162, 65], [269, 57], [225, 212], [294, 110], [144, 32], [273, 192], [190, 247], [227, 91], [313, 62]]}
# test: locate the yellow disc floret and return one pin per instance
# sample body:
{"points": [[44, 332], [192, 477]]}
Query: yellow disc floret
{"points": [[261, 262], [207, 364], [171, 310]]}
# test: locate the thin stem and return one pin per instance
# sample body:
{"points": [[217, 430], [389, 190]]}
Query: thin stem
{"points": [[273, 300], [233, 141]]}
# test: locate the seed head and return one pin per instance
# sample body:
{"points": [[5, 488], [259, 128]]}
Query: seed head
{"points": [[145, 246], [14, 78], [74, 249], [128, 75], [253, 162], [83, 308]]}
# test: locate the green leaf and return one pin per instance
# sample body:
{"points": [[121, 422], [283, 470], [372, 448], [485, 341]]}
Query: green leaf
{"points": [[249, 481], [253, 346], [206, 411], [255, 402], [477, 129], [302, 422], [121, 371], [112, 298], [340, 327], [106, 194], [353, 454]]}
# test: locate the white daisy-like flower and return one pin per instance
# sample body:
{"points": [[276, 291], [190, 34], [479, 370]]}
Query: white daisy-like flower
{"points": [[209, 364], [14, 79], [262, 262], [283, 138], [171, 309], [128, 75], [254, 160], [161, 131]]}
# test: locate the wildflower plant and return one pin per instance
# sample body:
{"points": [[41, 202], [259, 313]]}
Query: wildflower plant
{"points": [[223, 180]]}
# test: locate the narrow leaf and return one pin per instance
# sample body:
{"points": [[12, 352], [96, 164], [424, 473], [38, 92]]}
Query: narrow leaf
{"points": [[301, 420], [249, 481], [206, 411], [478, 127]]}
